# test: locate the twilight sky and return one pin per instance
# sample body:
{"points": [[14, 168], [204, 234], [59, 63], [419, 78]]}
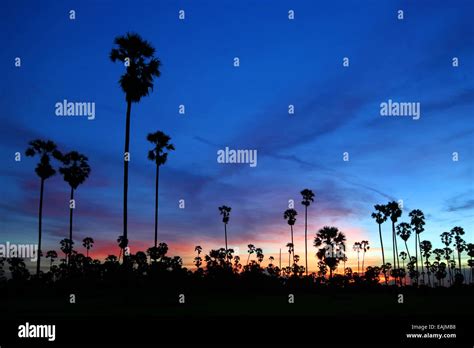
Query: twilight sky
{"points": [[282, 62]]}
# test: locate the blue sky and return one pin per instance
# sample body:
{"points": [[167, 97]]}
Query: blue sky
{"points": [[282, 62]]}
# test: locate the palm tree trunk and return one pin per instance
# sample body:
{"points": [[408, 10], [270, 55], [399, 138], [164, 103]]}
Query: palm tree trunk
{"points": [[40, 216], [394, 249], [280, 260], [422, 267], [381, 243], [363, 259], [358, 263], [156, 204], [416, 256], [306, 237], [225, 234], [70, 225], [291, 227], [459, 259], [87, 252], [408, 252], [125, 172], [248, 259]]}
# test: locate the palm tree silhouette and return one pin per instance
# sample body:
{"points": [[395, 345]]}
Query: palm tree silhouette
{"points": [[470, 253], [332, 242], [404, 232], [290, 215], [75, 171], [123, 243], [357, 247], [137, 55], [308, 197], [426, 247], [290, 251], [66, 246], [380, 217], [52, 255], [459, 243], [394, 212], [446, 239], [158, 155], [88, 243], [365, 246], [225, 212], [198, 258], [251, 250], [44, 169], [417, 223], [403, 255]]}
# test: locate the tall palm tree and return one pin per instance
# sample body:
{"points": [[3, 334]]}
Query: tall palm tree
{"points": [[88, 243], [158, 155], [404, 232], [332, 243], [380, 217], [44, 149], [75, 171], [417, 222], [357, 247], [459, 245], [225, 212], [308, 197], [365, 246], [142, 67], [394, 211], [290, 215]]}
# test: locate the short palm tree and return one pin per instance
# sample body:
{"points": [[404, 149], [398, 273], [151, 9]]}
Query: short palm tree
{"points": [[446, 239], [45, 149], [470, 253], [251, 250], [365, 246], [88, 243], [417, 222], [308, 197], [290, 251], [357, 248], [459, 243], [158, 155], [52, 255], [331, 242], [290, 215], [75, 171], [404, 232], [403, 255], [426, 247], [142, 67]]}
